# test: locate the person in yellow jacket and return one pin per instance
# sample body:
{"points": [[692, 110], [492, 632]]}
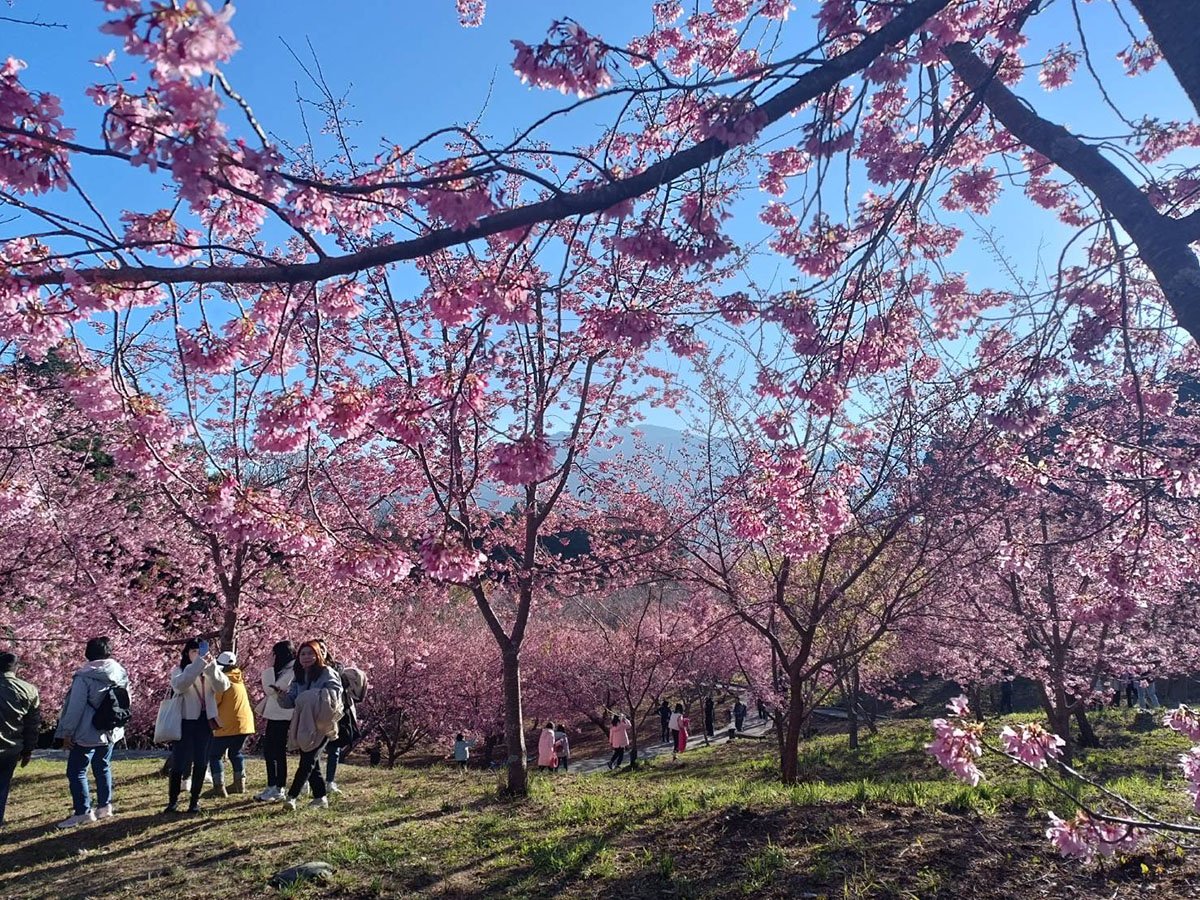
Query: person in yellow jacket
{"points": [[232, 720]]}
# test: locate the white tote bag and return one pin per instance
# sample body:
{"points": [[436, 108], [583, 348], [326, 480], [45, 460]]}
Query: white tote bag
{"points": [[168, 726]]}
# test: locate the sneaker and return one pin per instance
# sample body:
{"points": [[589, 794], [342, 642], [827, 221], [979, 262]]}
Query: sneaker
{"points": [[75, 821], [269, 795], [104, 812], [333, 788], [319, 803], [194, 809], [172, 808], [289, 803]]}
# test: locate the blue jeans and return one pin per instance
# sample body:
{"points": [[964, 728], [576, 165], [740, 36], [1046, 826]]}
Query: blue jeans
{"points": [[8, 765], [77, 766], [333, 756], [189, 754], [216, 756]]}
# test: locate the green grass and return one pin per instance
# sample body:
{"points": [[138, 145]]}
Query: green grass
{"points": [[883, 821]]}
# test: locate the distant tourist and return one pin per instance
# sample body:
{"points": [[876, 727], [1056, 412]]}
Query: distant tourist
{"points": [[20, 718], [618, 739], [546, 759], [90, 724], [710, 717], [673, 725], [462, 751], [682, 737], [562, 747], [739, 714], [664, 717]]}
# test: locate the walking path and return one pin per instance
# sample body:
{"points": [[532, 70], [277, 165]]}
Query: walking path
{"points": [[593, 764]]}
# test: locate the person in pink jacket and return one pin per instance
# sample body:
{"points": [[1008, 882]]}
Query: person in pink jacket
{"points": [[618, 739], [546, 756]]}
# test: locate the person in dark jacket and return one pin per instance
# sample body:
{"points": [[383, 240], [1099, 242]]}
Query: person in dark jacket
{"points": [[710, 717], [84, 742], [739, 715], [664, 718], [20, 718]]}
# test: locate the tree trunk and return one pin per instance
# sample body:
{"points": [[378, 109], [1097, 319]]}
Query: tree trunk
{"points": [[790, 760], [1173, 24], [514, 726]]}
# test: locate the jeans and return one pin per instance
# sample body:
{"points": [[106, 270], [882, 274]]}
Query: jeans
{"points": [[309, 769], [77, 766], [275, 752], [333, 755], [666, 730], [564, 762], [216, 757], [1147, 695], [8, 765], [189, 755], [739, 722]]}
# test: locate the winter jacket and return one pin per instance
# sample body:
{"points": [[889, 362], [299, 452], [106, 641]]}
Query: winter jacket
{"points": [[228, 702], [673, 722], [317, 702], [190, 684], [546, 747], [273, 686], [618, 735], [88, 686], [562, 745], [462, 750], [20, 715]]}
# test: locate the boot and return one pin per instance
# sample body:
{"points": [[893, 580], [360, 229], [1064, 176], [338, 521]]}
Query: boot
{"points": [[174, 785], [239, 785], [217, 790]]}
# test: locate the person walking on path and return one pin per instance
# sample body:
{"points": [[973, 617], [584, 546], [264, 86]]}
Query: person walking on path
{"points": [[618, 739], [20, 718], [739, 715], [762, 709], [189, 755], [276, 681], [562, 747], [462, 751], [673, 726], [710, 717], [664, 718], [99, 685], [316, 697], [232, 721], [682, 738], [546, 758]]}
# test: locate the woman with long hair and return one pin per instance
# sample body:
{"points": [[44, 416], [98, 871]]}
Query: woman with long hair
{"points": [[277, 680], [316, 695], [190, 752]]}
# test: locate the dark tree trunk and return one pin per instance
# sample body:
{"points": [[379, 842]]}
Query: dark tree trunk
{"points": [[1174, 24], [1087, 734], [790, 760], [514, 727]]}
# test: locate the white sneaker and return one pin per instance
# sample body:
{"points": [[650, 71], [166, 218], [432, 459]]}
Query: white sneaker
{"points": [[75, 821], [333, 788], [322, 803], [289, 803], [269, 795], [104, 812]]}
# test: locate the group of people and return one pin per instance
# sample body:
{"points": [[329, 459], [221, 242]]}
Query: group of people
{"points": [[554, 748], [308, 703]]}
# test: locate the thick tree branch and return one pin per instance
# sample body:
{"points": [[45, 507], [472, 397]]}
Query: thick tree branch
{"points": [[1162, 242], [581, 203], [1173, 24]]}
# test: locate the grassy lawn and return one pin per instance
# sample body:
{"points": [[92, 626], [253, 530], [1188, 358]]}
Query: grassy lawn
{"points": [[882, 822]]}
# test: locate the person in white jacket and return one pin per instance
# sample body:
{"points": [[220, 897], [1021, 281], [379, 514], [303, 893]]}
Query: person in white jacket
{"points": [[190, 753], [276, 681]]}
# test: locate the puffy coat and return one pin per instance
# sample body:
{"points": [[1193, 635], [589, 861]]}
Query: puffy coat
{"points": [[88, 686], [273, 687], [229, 703]]}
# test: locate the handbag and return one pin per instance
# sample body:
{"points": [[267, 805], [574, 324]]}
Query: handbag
{"points": [[168, 724]]}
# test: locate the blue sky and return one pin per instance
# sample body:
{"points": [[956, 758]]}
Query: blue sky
{"points": [[408, 68]]}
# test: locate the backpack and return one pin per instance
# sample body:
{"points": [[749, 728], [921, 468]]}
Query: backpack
{"points": [[113, 711]]}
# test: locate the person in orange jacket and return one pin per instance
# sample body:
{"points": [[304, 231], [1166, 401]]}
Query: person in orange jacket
{"points": [[232, 719]]}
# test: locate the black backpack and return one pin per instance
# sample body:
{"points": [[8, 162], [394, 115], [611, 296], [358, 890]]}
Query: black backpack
{"points": [[113, 711]]}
